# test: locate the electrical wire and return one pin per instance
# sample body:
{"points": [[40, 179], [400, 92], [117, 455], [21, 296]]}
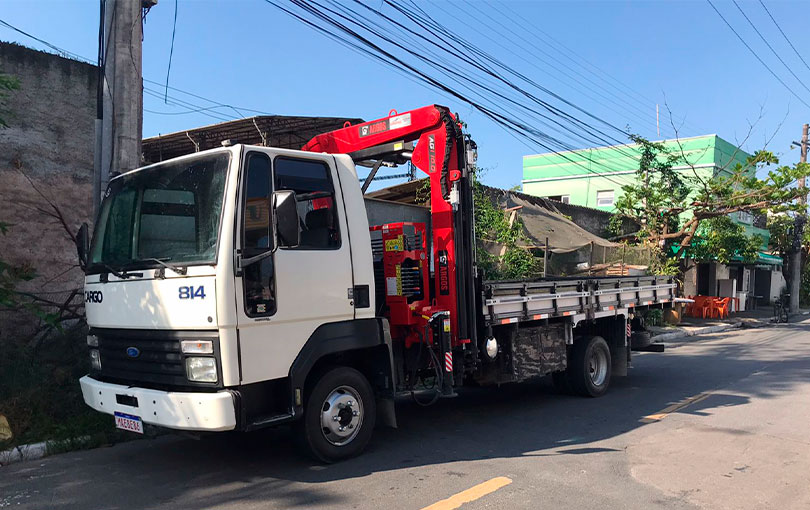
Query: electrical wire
{"points": [[478, 51], [757, 56], [58, 50], [784, 35], [553, 44], [103, 57], [171, 53], [769, 45], [530, 54], [380, 54]]}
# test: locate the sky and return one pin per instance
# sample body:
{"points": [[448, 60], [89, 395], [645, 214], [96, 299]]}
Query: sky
{"points": [[615, 60]]}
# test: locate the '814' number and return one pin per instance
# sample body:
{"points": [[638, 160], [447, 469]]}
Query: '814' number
{"points": [[191, 292]]}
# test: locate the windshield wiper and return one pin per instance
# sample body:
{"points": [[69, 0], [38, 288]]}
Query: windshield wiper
{"points": [[123, 274], [163, 262]]}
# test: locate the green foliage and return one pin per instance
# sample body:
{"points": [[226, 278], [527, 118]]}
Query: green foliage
{"points": [[11, 299], [7, 84], [654, 317], [804, 289], [492, 224], [39, 391], [661, 264], [672, 204], [656, 198], [721, 239], [781, 227]]}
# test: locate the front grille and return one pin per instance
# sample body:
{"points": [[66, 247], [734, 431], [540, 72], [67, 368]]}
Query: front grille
{"points": [[159, 362]]}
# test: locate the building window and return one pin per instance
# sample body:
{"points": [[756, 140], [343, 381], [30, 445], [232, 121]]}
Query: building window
{"points": [[566, 199], [604, 198]]}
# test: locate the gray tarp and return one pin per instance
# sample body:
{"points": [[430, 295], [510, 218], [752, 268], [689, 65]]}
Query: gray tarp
{"points": [[545, 222]]}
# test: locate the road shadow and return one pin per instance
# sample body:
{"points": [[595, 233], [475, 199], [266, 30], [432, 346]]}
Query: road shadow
{"points": [[482, 423]]}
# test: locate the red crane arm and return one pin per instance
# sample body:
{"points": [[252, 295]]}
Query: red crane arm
{"points": [[439, 153]]}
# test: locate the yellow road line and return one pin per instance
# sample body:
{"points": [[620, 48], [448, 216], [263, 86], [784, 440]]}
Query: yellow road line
{"points": [[660, 415], [471, 494]]}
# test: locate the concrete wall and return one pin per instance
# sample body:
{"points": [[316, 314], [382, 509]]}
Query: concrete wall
{"points": [[49, 141]]}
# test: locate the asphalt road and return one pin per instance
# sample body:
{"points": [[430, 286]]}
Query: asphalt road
{"points": [[719, 422]]}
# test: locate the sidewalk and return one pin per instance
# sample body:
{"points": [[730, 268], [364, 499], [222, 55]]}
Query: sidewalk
{"points": [[691, 326]]}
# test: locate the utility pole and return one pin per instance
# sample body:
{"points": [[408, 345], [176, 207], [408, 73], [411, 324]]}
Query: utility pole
{"points": [[121, 125], [798, 228]]}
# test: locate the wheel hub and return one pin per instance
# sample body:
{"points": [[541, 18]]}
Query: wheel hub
{"points": [[597, 367], [341, 415]]}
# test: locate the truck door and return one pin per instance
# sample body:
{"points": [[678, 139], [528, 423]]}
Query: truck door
{"points": [[283, 297]]}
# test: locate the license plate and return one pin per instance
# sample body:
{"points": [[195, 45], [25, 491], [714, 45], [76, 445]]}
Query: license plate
{"points": [[129, 422]]}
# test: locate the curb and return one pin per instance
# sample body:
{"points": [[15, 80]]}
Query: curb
{"points": [[697, 331], [23, 452], [32, 451]]}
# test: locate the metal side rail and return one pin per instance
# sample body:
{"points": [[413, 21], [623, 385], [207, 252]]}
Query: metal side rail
{"points": [[518, 301]]}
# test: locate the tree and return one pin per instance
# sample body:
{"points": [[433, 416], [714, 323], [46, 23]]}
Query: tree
{"points": [[672, 205], [781, 228]]}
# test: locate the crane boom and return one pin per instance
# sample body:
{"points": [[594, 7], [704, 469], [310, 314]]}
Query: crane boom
{"points": [[441, 152]]}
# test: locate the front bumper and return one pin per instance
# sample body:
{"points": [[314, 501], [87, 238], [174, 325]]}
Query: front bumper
{"points": [[174, 410]]}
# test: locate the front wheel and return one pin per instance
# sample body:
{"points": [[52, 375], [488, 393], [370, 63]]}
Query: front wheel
{"points": [[339, 415], [590, 367]]}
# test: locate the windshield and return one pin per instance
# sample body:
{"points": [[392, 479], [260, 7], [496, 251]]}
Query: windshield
{"points": [[169, 212]]}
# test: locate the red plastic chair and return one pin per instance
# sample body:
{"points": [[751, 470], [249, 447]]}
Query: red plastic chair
{"points": [[720, 308], [702, 307]]}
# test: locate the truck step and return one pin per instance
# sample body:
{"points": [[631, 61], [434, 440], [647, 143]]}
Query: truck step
{"points": [[650, 348]]}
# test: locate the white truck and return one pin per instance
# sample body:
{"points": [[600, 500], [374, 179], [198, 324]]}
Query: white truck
{"points": [[244, 287]]}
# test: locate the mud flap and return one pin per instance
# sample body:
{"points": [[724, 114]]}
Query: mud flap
{"points": [[619, 362], [386, 412]]}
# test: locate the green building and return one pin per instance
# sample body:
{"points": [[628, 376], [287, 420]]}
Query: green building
{"points": [[595, 177]]}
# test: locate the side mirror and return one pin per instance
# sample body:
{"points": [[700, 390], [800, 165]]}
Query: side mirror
{"points": [[83, 245], [285, 211]]}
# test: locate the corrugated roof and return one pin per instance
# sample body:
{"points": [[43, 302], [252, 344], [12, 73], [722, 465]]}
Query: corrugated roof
{"points": [[287, 132]]}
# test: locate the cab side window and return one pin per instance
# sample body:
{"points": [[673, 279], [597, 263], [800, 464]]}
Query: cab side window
{"points": [[315, 195], [258, 277]]}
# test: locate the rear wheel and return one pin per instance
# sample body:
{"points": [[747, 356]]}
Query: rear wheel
{"points": [[339, 415], [590, 367]]}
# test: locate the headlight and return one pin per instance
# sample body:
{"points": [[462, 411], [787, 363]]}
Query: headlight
{"points": [[197, 346], [95, 359], [201, 369], [92, 340]]}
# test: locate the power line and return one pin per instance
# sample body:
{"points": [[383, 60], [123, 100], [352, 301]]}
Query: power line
{"points": [[477, 83], [478, 51], [757, 56], [769, 45], [376, 52], [784, 35], [171, 52], [618, 85], [533, 50], [102, 57], [58, 50]]}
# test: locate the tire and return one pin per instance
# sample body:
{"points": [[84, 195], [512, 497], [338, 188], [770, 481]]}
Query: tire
{"points": [[640, 339], [339, 416], [590, 367], [561, 383]]}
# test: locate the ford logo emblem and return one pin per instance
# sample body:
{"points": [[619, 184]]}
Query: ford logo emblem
{"points": [[133, 352]]}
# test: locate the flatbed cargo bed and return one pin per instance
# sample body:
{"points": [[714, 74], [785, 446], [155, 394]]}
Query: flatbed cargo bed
{"points": [[512, 301]]}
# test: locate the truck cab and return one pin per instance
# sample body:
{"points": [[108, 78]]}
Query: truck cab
{"points": [[220, 284]]}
